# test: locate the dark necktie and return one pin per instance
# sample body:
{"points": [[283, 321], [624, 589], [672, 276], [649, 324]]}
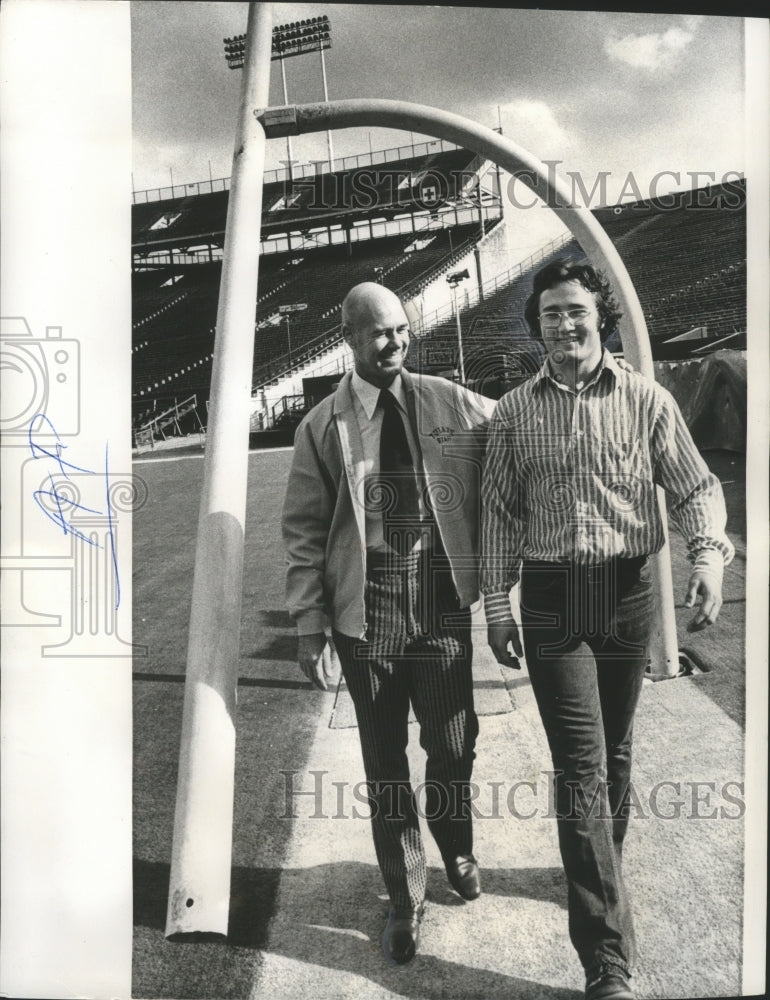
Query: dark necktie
{"points": [[401, 507]]}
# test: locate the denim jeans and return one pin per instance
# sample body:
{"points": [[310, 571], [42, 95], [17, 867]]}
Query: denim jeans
{"points": [[585, 632]]}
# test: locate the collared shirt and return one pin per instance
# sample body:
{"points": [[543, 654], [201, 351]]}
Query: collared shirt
{"points": [[571, 476], [369, 420]]}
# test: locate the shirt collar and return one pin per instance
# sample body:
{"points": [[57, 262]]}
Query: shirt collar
{"points": [[607, 363], [368, 394]]}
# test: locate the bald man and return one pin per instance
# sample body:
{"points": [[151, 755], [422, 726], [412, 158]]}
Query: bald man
{"points": [[381, 524]]}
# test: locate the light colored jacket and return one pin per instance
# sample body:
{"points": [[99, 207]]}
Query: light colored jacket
{"points": [[324, 526]]}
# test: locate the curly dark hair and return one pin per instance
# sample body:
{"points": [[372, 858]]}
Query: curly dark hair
{"points": [[591, 279]]}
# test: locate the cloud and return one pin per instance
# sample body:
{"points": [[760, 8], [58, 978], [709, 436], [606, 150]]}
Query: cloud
{"points": [[692, 21], [657, 50], [533, 125]]}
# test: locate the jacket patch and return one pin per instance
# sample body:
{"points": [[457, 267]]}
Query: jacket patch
{"points": [[442, 434]]}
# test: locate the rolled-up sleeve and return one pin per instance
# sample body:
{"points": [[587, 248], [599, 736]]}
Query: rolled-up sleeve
{"points": [[307, 516], [696, 502]]}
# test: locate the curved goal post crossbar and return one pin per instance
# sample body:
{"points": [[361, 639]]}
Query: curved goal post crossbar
{"points": [[199, 883], [301, 119]]}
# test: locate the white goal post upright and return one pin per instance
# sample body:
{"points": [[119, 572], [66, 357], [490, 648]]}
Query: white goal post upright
{"points": [[199, 887], [555, 193]]}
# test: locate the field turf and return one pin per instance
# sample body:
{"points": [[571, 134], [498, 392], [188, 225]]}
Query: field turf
{"points": [[277, 712]]}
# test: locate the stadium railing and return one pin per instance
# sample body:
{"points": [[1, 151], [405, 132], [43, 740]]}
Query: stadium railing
{"points": [[498, 283], [146, 431], [299, 171]]}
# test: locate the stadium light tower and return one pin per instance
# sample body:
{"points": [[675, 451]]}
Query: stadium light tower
{"points": [[454, 280], [295, 38], [478, 203], [286, 313]]}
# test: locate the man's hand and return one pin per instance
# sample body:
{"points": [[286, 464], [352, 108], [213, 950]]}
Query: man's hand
{"points": [[498, 637], [624, 366], [709, 589], [317, 659]]}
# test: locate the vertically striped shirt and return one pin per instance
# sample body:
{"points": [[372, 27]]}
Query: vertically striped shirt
{"points": [[571, 476]]}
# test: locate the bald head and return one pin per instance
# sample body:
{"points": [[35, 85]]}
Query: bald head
{"points": [[375, 325], [363, 300]]}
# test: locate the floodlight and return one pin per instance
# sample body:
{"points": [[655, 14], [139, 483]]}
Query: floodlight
{"points": [[296, 38]]}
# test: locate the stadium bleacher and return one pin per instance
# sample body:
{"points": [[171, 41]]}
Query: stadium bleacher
{"points": [[377, 219], [174, 337], [408, 225], [687, 261]]}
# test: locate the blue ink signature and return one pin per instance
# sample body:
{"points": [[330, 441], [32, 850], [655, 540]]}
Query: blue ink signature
{"points": [[59, 515]]}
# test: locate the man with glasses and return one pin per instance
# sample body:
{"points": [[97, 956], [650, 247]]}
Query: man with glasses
{"points": [[570, 510]]}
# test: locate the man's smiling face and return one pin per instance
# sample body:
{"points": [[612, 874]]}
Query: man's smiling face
{"points": [[573, 336], [379, 337]]}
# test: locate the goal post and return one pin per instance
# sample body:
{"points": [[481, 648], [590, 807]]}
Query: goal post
{"points": [[556, 194], [202, 849], [199, 885]]}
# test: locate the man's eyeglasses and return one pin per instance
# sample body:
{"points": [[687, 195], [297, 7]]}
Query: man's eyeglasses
{"points": [[551, 318]]}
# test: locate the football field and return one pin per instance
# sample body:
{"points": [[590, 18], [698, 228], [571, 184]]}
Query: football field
{"points": [[306, 906]]}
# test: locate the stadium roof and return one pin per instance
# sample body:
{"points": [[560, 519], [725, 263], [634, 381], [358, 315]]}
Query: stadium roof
{"points": [[377, 186]]}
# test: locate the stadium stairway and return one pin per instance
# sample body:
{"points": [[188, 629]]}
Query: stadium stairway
{"points": [[325, 271], [336, 358]]}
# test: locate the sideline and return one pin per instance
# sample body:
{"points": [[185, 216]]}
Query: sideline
{"points": [[180, 458]]}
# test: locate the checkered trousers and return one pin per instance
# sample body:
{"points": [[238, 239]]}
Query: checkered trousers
{"points": [[418, 650]]}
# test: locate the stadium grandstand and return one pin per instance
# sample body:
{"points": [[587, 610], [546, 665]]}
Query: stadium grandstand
{"points": [[407, 217]]}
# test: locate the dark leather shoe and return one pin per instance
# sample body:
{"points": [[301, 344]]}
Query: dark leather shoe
{"points": [[609, 983], [402, 932], [463, 875]]}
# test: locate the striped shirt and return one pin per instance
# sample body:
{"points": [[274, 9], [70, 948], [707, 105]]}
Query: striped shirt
{"points": [[570, 476]]}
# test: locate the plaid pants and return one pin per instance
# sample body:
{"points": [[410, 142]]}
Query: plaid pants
{"points": [[418, 649]]}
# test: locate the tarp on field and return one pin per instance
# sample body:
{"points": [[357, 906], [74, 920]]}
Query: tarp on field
{"points": [[711, 393]]}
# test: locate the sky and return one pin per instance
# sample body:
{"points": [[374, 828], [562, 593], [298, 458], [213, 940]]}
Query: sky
{"points": [[613, 92]]}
